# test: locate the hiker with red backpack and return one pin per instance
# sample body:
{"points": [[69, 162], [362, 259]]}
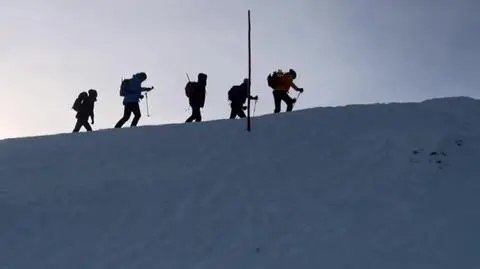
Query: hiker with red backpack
{"points": [[238, 95], [131, 91], [281, 83], [84, 106], [195, 92]]}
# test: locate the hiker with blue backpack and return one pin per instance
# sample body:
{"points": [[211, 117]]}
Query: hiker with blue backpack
{"points": [[131, 91]]}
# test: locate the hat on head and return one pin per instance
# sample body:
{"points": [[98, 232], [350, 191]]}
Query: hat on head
{"points": [[293, 73]]}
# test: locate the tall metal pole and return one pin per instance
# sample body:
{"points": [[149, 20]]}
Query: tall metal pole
{"points": [[249, 127]]}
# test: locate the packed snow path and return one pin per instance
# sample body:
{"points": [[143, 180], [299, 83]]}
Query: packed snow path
{"points": [[363, 186]]}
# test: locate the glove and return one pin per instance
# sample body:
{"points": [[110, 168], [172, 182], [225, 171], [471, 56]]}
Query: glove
{"points": [[256, 97], [93, 121], [300, 90], [151, 88]]}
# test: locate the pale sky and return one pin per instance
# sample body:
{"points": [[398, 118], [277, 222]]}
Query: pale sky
{"points": [[344, 52]]}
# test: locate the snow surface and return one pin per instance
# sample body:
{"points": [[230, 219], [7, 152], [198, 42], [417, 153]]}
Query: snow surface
{"points": [[362, 186]]}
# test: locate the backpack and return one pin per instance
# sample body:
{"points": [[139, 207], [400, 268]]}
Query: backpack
{"points": [[189, 88], [124, 87], [273, 79], [236, 94], [78, 102], [231, 93]]}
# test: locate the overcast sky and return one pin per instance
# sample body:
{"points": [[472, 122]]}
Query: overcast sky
{"points": [[344, 51]]}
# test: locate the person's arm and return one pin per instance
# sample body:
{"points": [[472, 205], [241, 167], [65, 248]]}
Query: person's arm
{"points": [[143, 89], [202, 96], [295, 87], [92, 115]]}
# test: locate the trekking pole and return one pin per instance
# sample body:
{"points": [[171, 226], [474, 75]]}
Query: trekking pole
{"points": [[298, 96], [146, 100]]}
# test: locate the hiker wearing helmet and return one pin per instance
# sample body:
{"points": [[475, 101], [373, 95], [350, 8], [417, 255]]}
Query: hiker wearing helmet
{"points": [[195, 92], [131, 90], [281, 83], [84, 105], [238, 95]]}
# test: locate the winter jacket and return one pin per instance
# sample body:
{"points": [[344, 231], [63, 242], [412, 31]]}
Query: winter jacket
{"points": [[285, 83], [134, 91]]}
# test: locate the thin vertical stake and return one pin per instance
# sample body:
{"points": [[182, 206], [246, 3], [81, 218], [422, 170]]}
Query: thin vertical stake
{"points": [[249, 127]]}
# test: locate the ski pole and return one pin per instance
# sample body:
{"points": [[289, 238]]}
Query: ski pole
{"points": [[254, 107], [187, 77], [146, 100], [296, 99]]}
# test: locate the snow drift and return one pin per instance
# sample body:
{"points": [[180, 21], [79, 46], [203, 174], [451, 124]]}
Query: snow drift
{"points": [[362, 186]]}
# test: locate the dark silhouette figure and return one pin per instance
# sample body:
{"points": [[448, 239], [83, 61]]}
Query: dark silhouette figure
{"points": [[196, 91], [131, 89], [281, 83], [238, 95], [84, 105]]}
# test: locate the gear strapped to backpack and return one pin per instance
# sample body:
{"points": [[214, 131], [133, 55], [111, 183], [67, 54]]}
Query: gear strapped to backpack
{"points": [[273, 79]]}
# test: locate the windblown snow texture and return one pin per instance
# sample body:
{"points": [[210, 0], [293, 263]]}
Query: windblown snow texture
{"points": [[362, 186]]}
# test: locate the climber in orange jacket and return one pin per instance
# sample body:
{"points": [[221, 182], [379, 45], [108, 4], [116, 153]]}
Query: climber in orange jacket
{"points": [[281, 83]]}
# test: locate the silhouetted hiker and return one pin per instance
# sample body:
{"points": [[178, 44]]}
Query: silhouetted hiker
{"points": [[195, 91], [238, 95], [84, 105], [281, 83], [131, 89]]}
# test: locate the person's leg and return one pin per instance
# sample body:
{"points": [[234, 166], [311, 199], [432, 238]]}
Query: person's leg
{"points": [[87, 125], [77, 127], [236, 110], [198, 114], [126, 116], [241, 113], [277, 99], [192, 116], [137, 114], [289, 101]]}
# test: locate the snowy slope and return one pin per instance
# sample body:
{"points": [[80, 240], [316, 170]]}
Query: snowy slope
{"points": [[361, 186]]}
